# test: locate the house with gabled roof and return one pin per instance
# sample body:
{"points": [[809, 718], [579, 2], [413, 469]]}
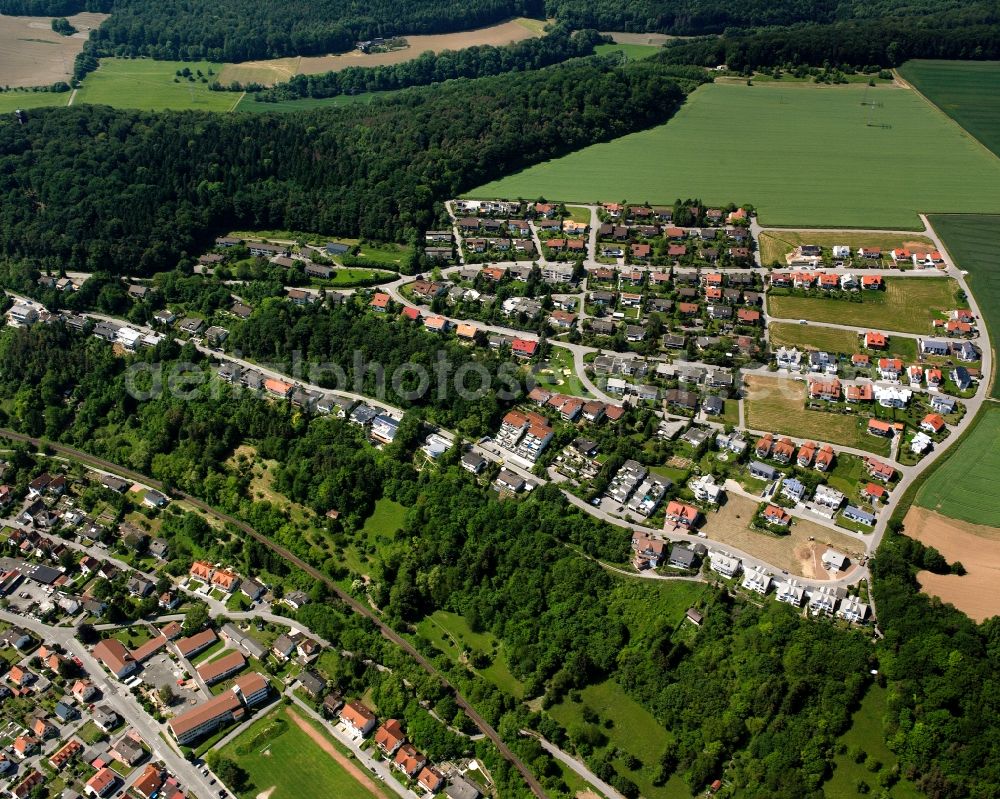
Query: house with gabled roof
{"points": [[358, 718]]}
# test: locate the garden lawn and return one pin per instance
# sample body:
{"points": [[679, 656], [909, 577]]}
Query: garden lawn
{"points": [[972, 241], [149, 85], [292, 764], [835, 340], [966, 485], [799, 153], [965, 90], [908, 305], [778, 405], [868, 735], [558, 375]]}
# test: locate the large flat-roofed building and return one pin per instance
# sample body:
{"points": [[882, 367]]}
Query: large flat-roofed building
{"points": [[220, 710], [221, 668], [206, 717]]}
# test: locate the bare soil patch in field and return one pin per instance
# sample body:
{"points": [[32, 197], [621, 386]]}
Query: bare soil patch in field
{"points": [[32, 54], [281, 69], [976, 546], [795, 552]]}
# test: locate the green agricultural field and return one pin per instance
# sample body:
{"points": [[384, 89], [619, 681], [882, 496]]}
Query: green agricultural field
{"points": [[834, 340], [776, 244], [966, 485], [778, 405], [908, 305], [11, 101], [632, 52], [283, 757], [965, 90], [867, 736], [800, 153], [972, 241], [149, 85]]}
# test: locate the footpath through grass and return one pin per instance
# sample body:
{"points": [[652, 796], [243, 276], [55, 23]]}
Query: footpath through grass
{"points": [[965, 90], [800, 152], [971, 240], [967, 484]]}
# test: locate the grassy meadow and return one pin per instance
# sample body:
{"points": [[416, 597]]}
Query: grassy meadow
{"points": [[834, 340], [632, 52], [149, 85], [804, 155], [609, 702], [451, 634], [778, 405], [11, 101], [965, 90], [966, 485], [908, 305], [867, 736], [972, 240]]}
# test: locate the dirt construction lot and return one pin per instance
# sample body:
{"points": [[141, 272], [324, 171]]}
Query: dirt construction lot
{"points": [[976, 546], [794, 553], [281, 69], [32, 54]]}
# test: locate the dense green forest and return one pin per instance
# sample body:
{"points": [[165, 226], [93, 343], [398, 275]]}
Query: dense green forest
{"points": [[855, 43], [94, 188], [944, 672], [471, 62]]}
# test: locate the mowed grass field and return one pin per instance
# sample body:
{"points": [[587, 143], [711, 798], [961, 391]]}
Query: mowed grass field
{"points": [[291, 763], [965, 90], [972, 241], [776, 244], [804, 155], [149, 85], [967, 484], [833, 340], [632, 52], [11, 101], [908, 305], [778, 405]]}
